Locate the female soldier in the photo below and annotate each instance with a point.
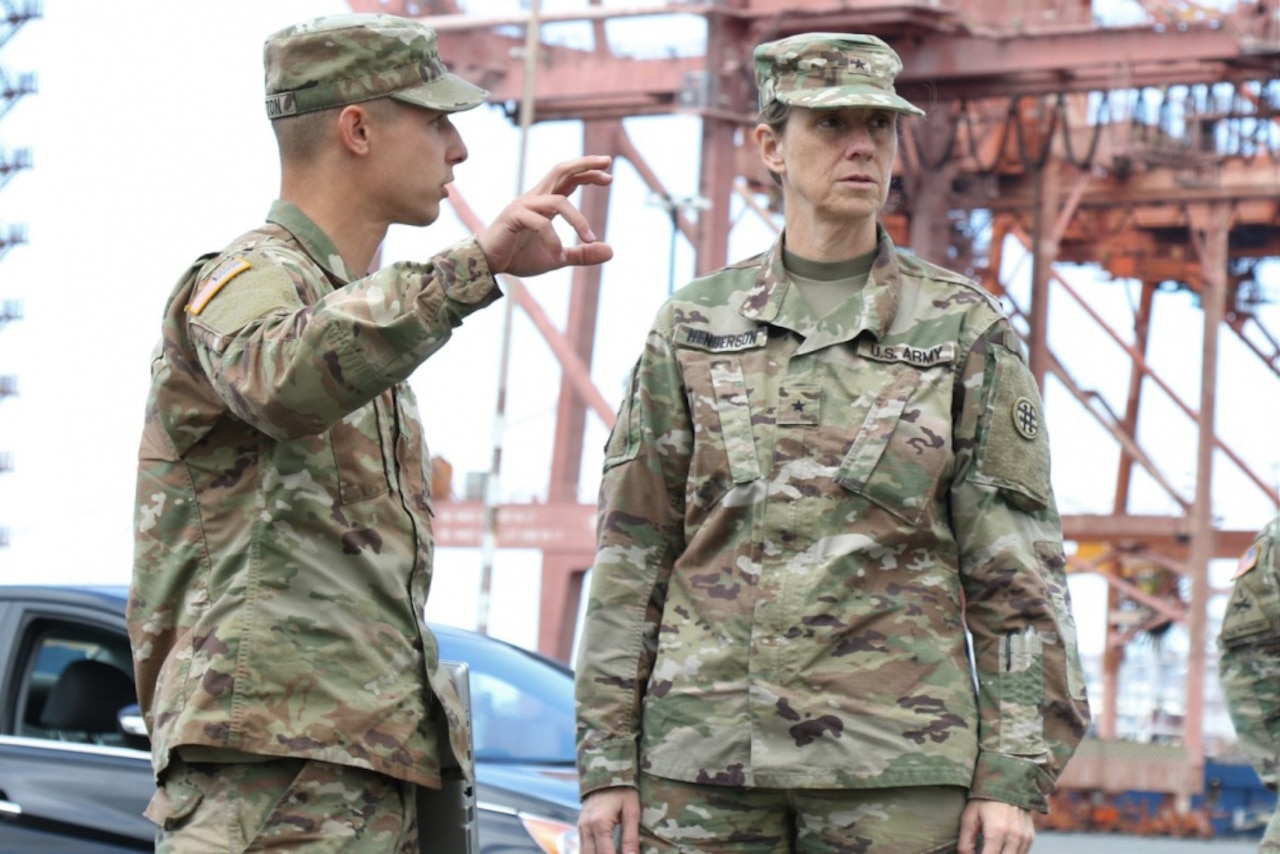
(830, 463)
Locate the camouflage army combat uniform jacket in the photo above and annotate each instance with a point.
(1249, 662)
(283, 520)
(798, 518)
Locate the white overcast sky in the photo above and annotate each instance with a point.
(150, 146)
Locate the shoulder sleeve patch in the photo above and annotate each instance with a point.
(223, 273)
(1253, 612)
(1247, 561)
(259, 290)
(1013, 447)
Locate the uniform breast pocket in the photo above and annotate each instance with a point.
(904, 445)
(356, 442)
(720, 403)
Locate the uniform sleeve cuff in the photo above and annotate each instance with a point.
(465, 273)
(1012, 780)
(612, 763)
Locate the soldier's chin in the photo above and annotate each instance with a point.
(423, 218)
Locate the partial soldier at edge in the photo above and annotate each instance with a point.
(1249, 662)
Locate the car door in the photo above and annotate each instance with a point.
(70, 779)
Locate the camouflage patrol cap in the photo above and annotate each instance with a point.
(346, 59)
(820, 70)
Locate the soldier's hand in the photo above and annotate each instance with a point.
(604, 810)
(1005, 828)
(522, 241)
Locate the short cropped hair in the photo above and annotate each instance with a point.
(301, 137)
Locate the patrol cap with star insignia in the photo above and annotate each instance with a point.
(346, 59)
(822, 70)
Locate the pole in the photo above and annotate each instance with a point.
(1210, 227)
(674, 206)
(671, 254)
(489, 536)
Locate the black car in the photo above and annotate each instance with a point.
(75, 774)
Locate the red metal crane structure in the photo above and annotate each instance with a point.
(1150, 148)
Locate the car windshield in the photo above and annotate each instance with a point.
(521, 704)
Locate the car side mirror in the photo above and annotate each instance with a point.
(133, 725)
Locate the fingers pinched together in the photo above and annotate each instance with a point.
(522, 240)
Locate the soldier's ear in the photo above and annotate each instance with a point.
(355, 123)
(770, 145)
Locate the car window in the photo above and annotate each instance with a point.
(521, 705)
(74, 683)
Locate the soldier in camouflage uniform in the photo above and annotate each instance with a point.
(830, 461)
(283, 524)
(1249, 662)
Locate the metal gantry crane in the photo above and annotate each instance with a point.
(1149, 147)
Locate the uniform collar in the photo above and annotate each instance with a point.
(773, 300)
(316, 243)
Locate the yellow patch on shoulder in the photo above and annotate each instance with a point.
(1247, 561)
(223, 273)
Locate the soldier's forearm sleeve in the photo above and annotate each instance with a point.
(1031, 695)
(639, 538)
(293, 370)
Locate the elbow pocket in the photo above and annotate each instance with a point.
(1013, 445)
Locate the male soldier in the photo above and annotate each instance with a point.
(283, 525)
(1249, 662)
(829, 463)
